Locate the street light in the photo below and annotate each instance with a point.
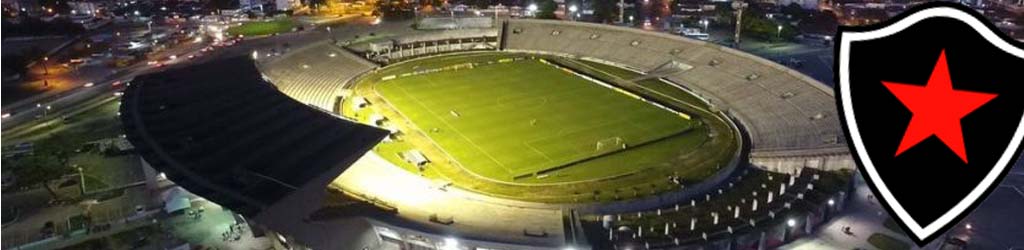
(532, 8)
(791, 223)
(780, 32)
(46, 71)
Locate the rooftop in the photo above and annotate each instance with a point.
(222, 132)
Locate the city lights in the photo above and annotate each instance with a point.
(491, 120)
(450, 244)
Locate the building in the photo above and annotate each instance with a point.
(222, 133)
(263, 5)
(806, 4)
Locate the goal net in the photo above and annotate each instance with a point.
(608, 145)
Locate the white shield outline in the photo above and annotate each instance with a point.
(922, 234)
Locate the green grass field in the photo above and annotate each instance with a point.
(515, 119)
(886, 242)
(259, 28)
(527, 130)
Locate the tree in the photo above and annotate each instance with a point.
(39, 169)
(606, 11)
(48, 162)
(33, 26)
(317, 4)
(58, 6)
(222, 4)
(479, 3)
(60, 146)
(395, 11)
(756, 25)
(724, 13)
(17, 63)
(796, 11)
(546, 9)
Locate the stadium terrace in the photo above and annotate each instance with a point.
(526, 134)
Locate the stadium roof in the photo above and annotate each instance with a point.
(222, 132)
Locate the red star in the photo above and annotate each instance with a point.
(937, 109)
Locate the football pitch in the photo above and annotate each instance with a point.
(518, 119)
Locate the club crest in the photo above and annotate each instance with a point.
(932, 103)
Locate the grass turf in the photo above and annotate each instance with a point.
(259, 28)
(640, 171)
(886, 242)
(514, 119)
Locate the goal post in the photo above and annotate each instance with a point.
(609, 144)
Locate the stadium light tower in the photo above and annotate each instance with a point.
(450, 244)
(572, 12)
(739, 6)
(622, 11)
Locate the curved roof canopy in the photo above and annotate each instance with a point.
(222, 132)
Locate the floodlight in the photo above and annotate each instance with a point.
(450, 244)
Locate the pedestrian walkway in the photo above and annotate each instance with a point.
(863, 215)
(215, 228)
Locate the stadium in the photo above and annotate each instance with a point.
(531, 134)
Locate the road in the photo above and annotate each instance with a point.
(26, 112)
(54, 106)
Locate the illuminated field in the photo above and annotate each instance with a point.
(542, 128)
(259, 28)
(546, 118)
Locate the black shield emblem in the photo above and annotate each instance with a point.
(932, 103)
